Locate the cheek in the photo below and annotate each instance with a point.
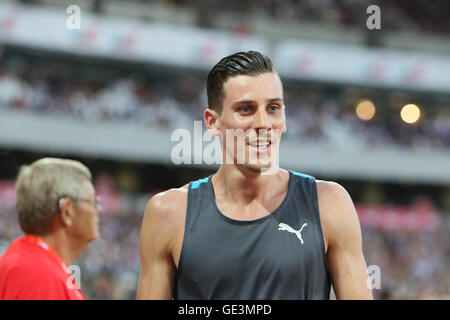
(90, 222)
(280, 119)
(280, 123)
(235, 120)
(93, 227)
(94, 220)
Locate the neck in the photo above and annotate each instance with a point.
(243, 186)
(60, 242)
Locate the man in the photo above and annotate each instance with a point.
(252, 230)
(57, 210)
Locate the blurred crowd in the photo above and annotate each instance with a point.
(412, 265)
(174, 100)
(152, 102)
(399, 15)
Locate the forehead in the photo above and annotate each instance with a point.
(245, 87)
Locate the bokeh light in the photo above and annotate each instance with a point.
(365, 110)
(410, 113)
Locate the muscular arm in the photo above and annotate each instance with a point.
(158, 242)
(343, 240)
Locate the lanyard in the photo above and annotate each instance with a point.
(44, 245)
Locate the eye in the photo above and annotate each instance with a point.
(245, 109)
(274, 107)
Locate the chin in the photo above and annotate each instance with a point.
(259, 167)
(94, 237)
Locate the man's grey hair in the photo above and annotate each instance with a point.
(41, 185)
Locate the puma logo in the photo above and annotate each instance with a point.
(284, 227)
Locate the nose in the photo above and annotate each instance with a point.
(98, 204)
(262, 120)
(99, 209)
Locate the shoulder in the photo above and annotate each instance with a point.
(330, 192)
(337, 211)
(27, 272)
(334, 200)
(165, 215)
(20, 258)
(167, 204)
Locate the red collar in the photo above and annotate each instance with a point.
(44, 245)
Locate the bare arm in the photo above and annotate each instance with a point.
(342, 233)
(157, 243)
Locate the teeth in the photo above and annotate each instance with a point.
(261, 145)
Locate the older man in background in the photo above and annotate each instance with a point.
(58, 212)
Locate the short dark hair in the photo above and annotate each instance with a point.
(240, 63)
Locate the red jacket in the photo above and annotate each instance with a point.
(31, 270)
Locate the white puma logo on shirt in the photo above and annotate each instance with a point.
(284, 227)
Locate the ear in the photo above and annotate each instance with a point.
(212, 121)
(66, 211)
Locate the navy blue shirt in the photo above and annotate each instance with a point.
(279, 256)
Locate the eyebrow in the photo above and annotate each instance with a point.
(275, 99)
(252, 101)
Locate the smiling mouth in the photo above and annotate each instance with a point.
(260, 146)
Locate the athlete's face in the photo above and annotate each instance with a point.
(253, 104)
